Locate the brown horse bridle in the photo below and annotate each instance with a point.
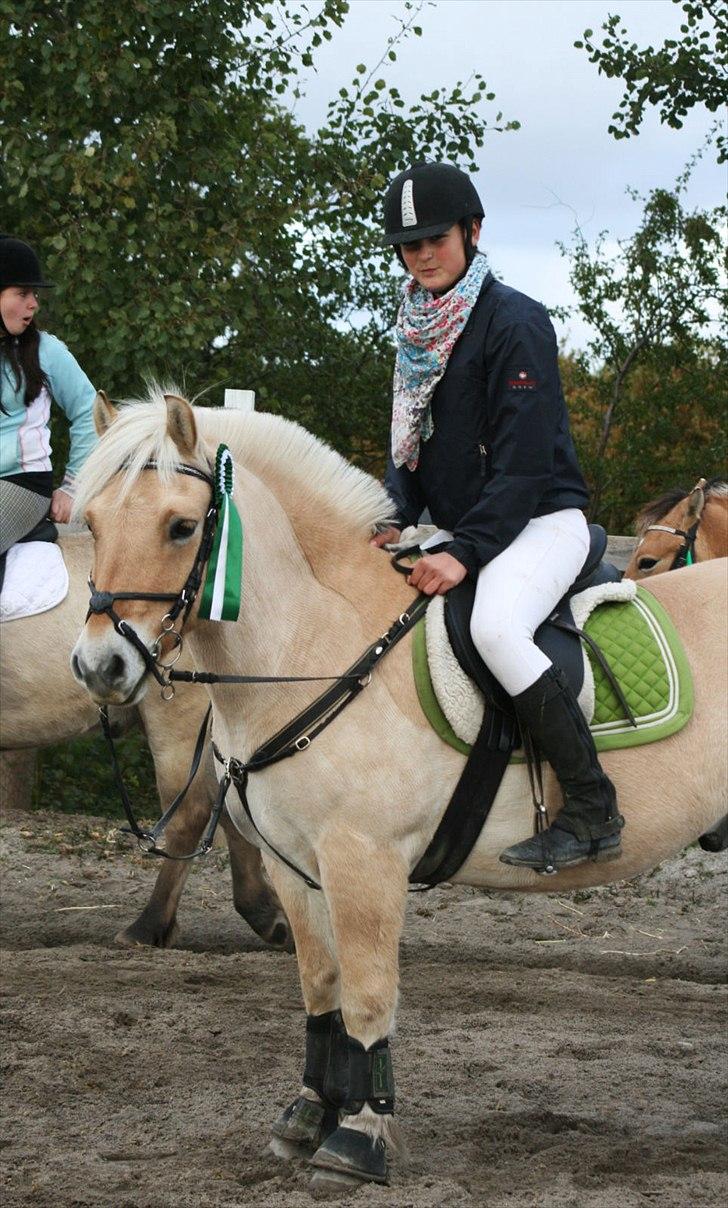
(685, 555)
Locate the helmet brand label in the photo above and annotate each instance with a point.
(409, 217)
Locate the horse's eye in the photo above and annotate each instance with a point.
(647, 563)
(181, 530)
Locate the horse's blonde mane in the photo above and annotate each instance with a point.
(301, 467)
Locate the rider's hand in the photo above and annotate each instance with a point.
(435, 574)
(61, 505)
(389, 537)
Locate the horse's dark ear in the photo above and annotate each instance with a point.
(104, 412)
(696, 500)
(181, 424)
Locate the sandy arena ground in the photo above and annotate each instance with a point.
(564, 1052)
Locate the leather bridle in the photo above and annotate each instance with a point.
(685, 555)
(102, 602)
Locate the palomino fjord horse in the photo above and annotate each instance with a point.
(42, 704)
(354, 808)
(680, 528)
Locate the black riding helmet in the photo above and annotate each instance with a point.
(426, 200)
(19, 264)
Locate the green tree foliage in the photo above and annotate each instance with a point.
(77, 777)
(654, 407)
(691, 70)
(198, 232)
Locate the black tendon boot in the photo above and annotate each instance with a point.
(588, 827)
(307, 1121)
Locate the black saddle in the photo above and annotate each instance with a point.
(557, 637)
(476, 789)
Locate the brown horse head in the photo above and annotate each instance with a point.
(678, 521)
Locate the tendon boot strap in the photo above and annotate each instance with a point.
(336, 1078)
(318, 1034)
(371, 1078)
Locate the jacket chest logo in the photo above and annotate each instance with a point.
(520, 379)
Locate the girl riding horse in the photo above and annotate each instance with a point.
(480, 437)
(35, 367)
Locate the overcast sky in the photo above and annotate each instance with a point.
(562, 165)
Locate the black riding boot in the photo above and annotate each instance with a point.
(588, 827)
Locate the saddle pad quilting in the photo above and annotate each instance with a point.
(642, 646)
(643, 649)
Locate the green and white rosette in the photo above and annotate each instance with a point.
(220, 600)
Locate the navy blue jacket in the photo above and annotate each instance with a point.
(501, 452)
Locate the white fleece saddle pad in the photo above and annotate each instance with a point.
(461, 700)
(36, 580)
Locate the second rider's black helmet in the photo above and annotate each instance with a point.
(19, 264)
(426, 200)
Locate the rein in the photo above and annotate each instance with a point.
(291, 739)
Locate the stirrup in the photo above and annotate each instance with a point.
(539, 852)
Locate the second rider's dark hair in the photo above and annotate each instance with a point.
(22, 355)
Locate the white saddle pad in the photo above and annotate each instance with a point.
(461, 700)
(36, 579)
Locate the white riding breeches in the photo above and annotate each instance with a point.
(519, 589)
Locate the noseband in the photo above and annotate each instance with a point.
(182, 601)
(685, 555)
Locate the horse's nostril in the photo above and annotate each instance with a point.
(76, 667)
(116, 667)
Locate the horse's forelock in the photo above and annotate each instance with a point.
(139, 435)
(716, 488)
(659, 508)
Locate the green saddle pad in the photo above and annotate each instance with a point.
(647, 657)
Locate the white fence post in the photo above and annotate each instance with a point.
(240, 400)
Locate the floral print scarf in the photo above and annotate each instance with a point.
(428, 328)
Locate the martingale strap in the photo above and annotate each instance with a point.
(291, 739)
(299, 733)
(148, 838)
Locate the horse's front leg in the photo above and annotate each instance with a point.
(313, 1114)
(254, 897)
(366, 891)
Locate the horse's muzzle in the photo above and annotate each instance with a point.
(110, 670)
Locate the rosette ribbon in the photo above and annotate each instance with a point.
(221, 591)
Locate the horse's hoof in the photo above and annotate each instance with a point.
(287, 1151)
(353, 1155)
(301, 1128)
(330, 1183)
(143, 935)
